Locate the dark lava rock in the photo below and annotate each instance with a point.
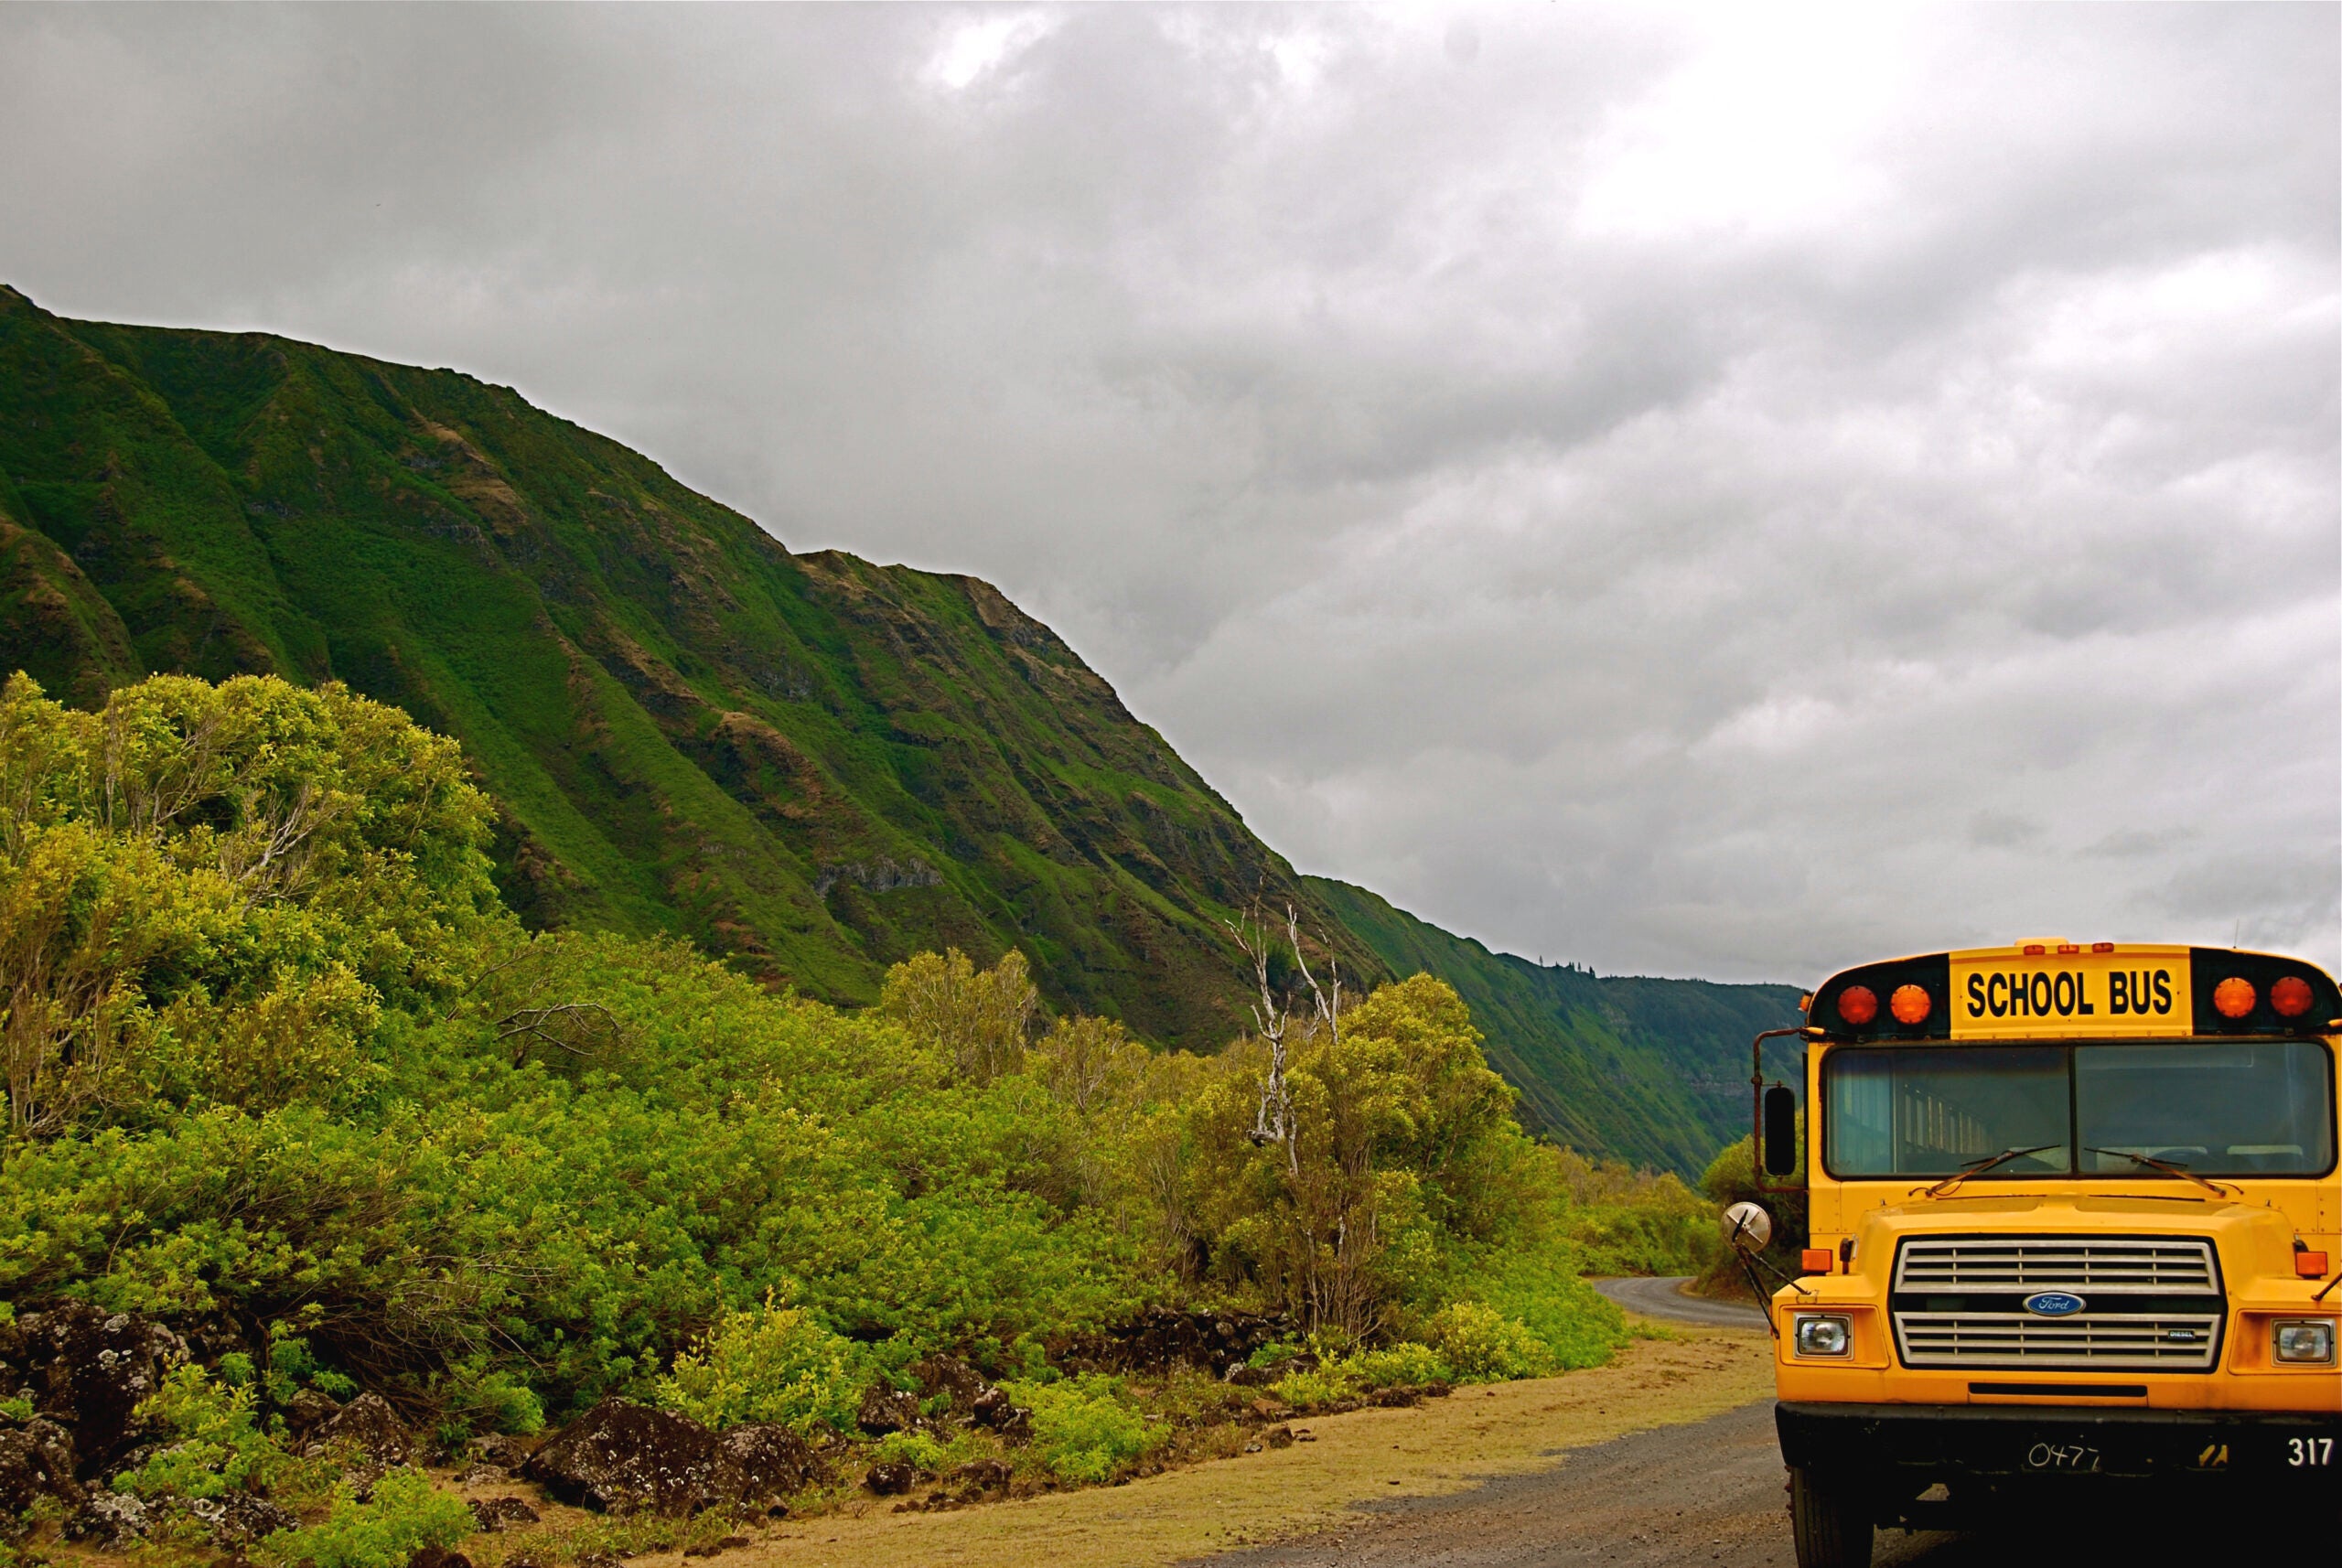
(623, 1457)
(994, 1409)
(888, 1479)
(35, 1462)
(1254, 1377)
(949, 1375)
(309, 1409)
(438, 1557)
(237, 1519)
(979, 1477)
(89, 1369)
(1161, 1337)
(769, 1462)
(481, 1474)
(1278, 1436)
(498, 1448)
(502, 1513)
(112, 1521)
(886, 1409)
(367, 1424)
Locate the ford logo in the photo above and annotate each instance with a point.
(2054, 1303)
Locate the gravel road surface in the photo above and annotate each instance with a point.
(1706, 1493)
(1665, 1298)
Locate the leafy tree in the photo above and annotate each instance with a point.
(207, 891)
(982, 1019)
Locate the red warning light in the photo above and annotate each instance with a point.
(1858, 1004)
(2034, 949)
(2290, 997)
(2101, 947)
(1911, 1004)
(2233, 997)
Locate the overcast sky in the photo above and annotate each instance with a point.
(1699, 493)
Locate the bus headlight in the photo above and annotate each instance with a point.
(1828, 1335)
(2303, 1342)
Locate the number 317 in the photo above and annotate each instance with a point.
(2309, 1451)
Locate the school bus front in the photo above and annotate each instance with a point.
(2075, 1232)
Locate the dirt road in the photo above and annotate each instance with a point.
(1707, 1493)
(1665, 1298)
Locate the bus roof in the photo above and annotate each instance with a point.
(2051, 989)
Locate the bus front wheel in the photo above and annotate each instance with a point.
(1830, 1521)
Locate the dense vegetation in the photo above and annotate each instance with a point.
(809, 765)
(280, 1062)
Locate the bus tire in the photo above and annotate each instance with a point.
(1830, 1521)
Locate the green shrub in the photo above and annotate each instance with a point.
(1405, 1365)
(219, 1446)
(1330, 1383)
(771, 1363)
(917, 1449)
(1084, 1427)
(1577, 1324)
(405, 1515)
(1483, 1346)
(291, 1367)
(476, 1398)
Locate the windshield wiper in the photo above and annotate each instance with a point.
(2169, 1168)
(1978, 1167)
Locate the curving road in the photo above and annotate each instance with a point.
(1665, 1298)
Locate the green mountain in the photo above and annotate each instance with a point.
(809, 764)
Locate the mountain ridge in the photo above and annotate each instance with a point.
(809, 764)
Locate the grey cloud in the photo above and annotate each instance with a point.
(1720, 495)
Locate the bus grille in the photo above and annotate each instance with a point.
(2160, 1265)
(2147, 1300)
(2178, 1343)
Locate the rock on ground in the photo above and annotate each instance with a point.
(1161, 1337)
(89, 1369)
(493, 1514)
(885, 1409)
(624, 1457)
(367, 1424)
(35, 1462)
(111, 1521)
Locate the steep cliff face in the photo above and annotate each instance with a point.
(808, 763)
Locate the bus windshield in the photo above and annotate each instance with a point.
(2260, 1109)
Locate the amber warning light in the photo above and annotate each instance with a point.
(1911, 1005)
(2233, 997)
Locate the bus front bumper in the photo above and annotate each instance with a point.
(1898, 1451)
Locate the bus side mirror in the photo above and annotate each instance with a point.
(1781, 1131)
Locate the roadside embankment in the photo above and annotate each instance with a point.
(1440, 1447)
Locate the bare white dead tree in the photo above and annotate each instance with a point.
(1273, 1122)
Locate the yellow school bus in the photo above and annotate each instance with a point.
(2075, 1237)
